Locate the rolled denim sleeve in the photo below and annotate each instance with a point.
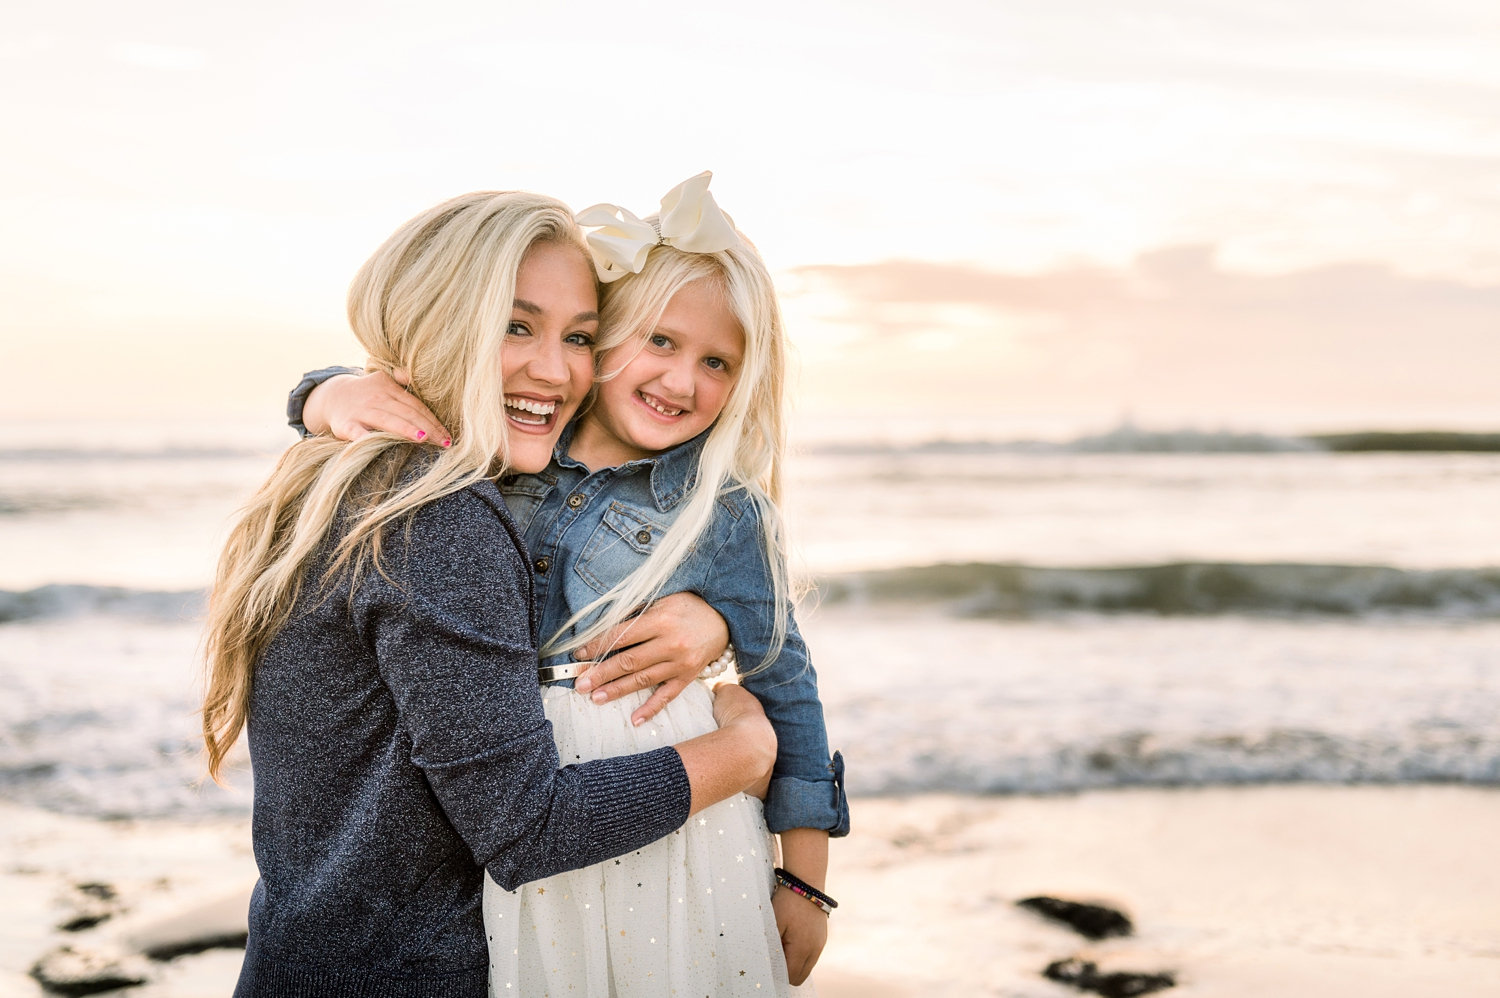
(297, 400)
(807, 786)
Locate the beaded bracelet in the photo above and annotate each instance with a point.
(803, 889)
(719, 664)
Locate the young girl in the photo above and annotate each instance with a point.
(668, 483)
(371, 624)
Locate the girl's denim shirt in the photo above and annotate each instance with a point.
(587, 531)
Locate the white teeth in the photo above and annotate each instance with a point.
(531, 406)
(664, 410)
(541, 410)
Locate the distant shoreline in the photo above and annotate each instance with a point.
(1124, 438)
(1130, 439)
(1412, 440)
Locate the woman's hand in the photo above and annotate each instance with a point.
(735, 757)
(735, 705)
(737, 709)
(349, 407)
(666, 646)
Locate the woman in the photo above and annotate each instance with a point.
(371, 626)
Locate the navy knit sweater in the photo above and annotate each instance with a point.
(399, 750)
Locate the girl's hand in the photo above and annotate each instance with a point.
(804, 932)
(666, 646)
(802, 924)
(350, 407)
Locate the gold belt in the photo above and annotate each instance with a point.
(553, 673)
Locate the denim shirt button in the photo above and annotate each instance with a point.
(643, 537)
(575, 500)
(542, 564)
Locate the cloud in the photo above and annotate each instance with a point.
(1175, 332)
(1178, 274)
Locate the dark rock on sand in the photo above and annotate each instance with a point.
(187, 947)
(1085, 976)
(91, 904)
(66, 971)
(1092, 921)
(218, 922)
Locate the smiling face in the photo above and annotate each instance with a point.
(670, 388)
(547, 365)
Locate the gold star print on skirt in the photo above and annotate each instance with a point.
(689, 914)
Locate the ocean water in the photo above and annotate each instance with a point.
(990, 617)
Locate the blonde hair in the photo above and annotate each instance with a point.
(745, 446)
(436, 299)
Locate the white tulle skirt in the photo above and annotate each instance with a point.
(690, 914)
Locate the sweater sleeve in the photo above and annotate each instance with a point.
(451, 631)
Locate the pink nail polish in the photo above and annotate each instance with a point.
(421, 434)
(447, 441)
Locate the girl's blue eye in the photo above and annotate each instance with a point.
(715, 364)
(658, 340)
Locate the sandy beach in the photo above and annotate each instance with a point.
(1288, 891)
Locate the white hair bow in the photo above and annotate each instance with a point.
(690, 220)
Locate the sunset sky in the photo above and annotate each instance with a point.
(984, 216)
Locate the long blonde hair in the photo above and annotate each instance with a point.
(745, 446)
(436, 299)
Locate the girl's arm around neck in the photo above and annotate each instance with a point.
(297, 400)
(344, 402)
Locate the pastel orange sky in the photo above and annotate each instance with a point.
(1201, 213)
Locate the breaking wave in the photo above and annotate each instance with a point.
(1420, 754)
(1001, 590)
(1184, 588)
(62, 601)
